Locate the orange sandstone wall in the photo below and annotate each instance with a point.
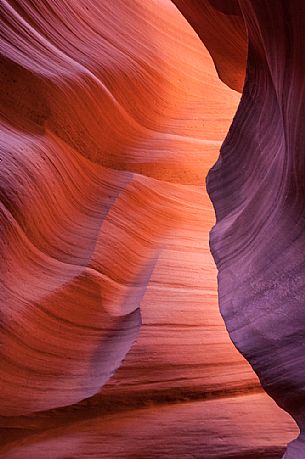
(112, 114)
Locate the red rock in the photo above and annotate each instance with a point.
(112, 114)
(220, 25)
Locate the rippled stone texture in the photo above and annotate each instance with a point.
(225, 428)
(105, 144)
(220, 25)
(257, 187)
(111, 116)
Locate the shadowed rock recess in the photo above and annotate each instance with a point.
(111, 341)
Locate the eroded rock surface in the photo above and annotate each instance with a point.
(257, 187)
(107, 134)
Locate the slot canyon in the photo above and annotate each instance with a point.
(152, 213)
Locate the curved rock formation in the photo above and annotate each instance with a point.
(103, 140)
(107, 134)
(214, 429)
(220, 25)
(257, 187)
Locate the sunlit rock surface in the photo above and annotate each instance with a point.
(112, 114)
(220, 25)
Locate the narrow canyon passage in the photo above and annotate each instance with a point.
(112, 343)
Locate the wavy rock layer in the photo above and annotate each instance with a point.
(258, 240)
(220, 25)
(85, 241)
(240, 427)
(106, 137)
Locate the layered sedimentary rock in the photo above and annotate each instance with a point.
(239, 428)
(259, 236)
(111, 115)
(103, 141)
(220, 25)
